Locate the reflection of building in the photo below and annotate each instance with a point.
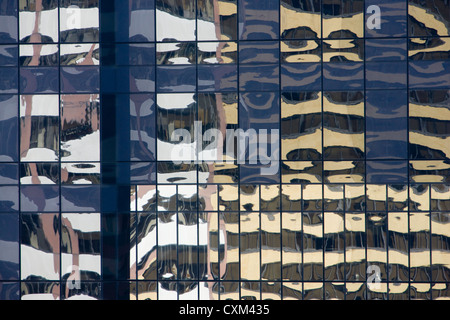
(92, 205)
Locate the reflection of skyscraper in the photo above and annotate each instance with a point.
(92, 204)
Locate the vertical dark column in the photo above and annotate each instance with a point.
(115, 176)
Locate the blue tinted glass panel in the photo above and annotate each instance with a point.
(429, 74)
(392, 19)
(176, 79)
(343, 76)
(386, 124)
(387, 171)
(386, 49)
(258, 77)
(386, 75)
(258, 20)
(8, 22)
(217, 78)
(9, 247)
(301, 76)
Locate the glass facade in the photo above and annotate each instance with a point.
(224, 149)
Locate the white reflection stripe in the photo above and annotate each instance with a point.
(41, 105)
(47, 27)
(89, 18)
(85, 222)
(85, 149)
(45, 50)
(166, 236)
(35, 262)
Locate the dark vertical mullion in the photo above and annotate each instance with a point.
(59, 149)
(115, 195)
(18, 150)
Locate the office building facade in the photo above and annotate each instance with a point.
(224, 149)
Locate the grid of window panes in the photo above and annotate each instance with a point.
(349, 196)
(49, 150)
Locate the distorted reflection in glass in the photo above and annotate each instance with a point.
(300, 19)
(39, 173)
(79, 20)
(419, 246)
(440, 246)
(398, 246)
(38, 21)
(39, 139)
(250, 246)
(80, 128)
(291, 234)
(39, 55)
(343, 19)
(217, 20)
(343, 50)
(301, 125)
(40, 246)
(292, 290)
(355, 247)
(175, 21)
(334, 239)
(8, 22)
(80, 248)
(343, 125)
(428, 18)
(313, 245)
(80, 54)
(270, 247)
(216, 52)
(301, 51)
(428, 113)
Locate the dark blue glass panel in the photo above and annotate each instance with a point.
(387, 171)
(80, 199)
(9, 247)
(259, 52)
(9, 129)
(429, 74)
(39, 198)
(259, 110)
(259, 77)
(343, 76)
(39, 80)
(301, 76)
(135, 54)
(115, 80)
(142, 79)
(258, 20)
(143, 173)
(386, 124)
(8, 21)
(386, 49)
(217, 77)
(176, 79)
(9, 291)
(9, 173)
(255, 173)
(142, 128)
(9, 199)
(386, 75)
(135, 20)
(393, 18)
(8, 56)
(80, 79)
(8, 80)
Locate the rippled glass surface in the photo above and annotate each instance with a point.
(141, 155)
(38, 21)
